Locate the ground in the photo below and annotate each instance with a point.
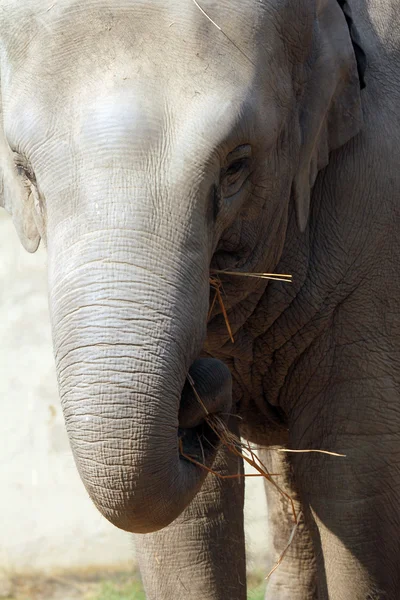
(117, 586)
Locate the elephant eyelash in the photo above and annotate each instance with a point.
(23, 167)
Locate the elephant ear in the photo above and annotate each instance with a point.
(16, 194)
(330, 107)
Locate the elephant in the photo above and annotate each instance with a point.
(151, 143)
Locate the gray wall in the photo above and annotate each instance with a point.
(47, 520)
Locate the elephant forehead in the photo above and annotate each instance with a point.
(136, 65)
(123, 113)
(155, 38)
(133, 123)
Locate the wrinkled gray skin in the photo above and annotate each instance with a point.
(144, 145)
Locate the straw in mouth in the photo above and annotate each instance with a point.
(216, 284)
(247, 453)
(226, 437)
(272, 276)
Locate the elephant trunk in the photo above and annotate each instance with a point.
(128, 311)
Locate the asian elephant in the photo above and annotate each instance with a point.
(148, 142)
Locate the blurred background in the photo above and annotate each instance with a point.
(48, 524)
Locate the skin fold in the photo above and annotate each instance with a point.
(146, 143)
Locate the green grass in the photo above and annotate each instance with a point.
(132, 590)
(256, 586)
(257, 593)
(113, 591)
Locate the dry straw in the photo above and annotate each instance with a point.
(244, 450)
(216, 285)
(236, 446)
(273, 276)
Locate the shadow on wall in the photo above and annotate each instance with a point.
(48, 520)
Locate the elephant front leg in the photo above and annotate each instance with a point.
(201, 555)
(295, 578)
(353, 500)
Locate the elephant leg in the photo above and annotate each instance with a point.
(201, 555)
(353, 500)
(295, 577)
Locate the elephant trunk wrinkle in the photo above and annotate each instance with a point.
(124, 344)
(123, 429)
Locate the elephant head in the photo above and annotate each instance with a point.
(140, 140)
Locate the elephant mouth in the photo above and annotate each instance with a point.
(207, 392)
(198, 445)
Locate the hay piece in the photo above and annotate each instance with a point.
(217, 286)
(272, 276)
(219, 475)
(245, 451)
(282, 556)
(309, 450)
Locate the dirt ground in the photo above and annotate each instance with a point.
(69, 586)
(48, 589)
(93, 586)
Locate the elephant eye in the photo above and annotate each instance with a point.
(237, 171)
(23, 168)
